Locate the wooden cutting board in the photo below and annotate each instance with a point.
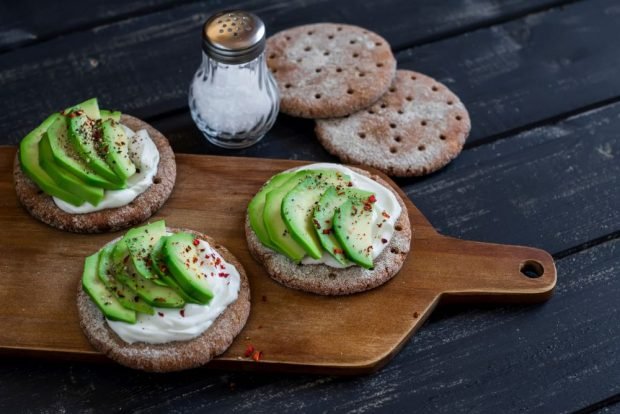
(40, 268)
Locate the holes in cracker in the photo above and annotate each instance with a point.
(350, 91)
(450, 102)
(339, 29)
(356, 55)
(310, 33)
(413, 77)
(393, 125)
(371, 112)
(326, 53)
(318, 70)
(338, 70)
(288, 85)
(383, 105)
(378, 44)
(352, 42)
(330, 37)
(421, 147)
(272, 56)
(287, 37)
(361, 74)
(394, 250)
(392, 89)
(400, 112)
(379, 65)
(423, 123)
(398, 227)
(393, 150)
(361, 135)
(307, 48)
(317, 96)
(157, 180)
(434, 89)
(459, 117)
(409, 98)
(398, 138)
(442, 137)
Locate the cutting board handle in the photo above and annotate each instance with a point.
(494, 272)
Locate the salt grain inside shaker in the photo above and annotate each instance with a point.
(233, 98)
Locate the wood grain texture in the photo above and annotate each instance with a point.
(27, 22)
(291, 327)
(556, 357)
(117, 62)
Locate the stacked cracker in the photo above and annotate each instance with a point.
(398, 121)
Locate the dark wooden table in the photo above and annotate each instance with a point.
(541, 167)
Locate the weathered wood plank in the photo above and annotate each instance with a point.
(143, 66)
(556, 357)
(27, 22)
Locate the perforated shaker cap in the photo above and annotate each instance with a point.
(233, 36)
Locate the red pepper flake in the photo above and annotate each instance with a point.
(195, 259)
(327, 231)
(350, 184)
(372, 199)
(182, 313)
(316, 223)
(160, 314)
(384, 241)
(223, 274)
(338, 251)
(367, 206)
(218, 261)
(385, 214)
(249, 350)
(196, 242)
(257, 355)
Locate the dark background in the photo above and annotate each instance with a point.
(541, 167)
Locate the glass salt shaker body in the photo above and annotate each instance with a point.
(233, 98)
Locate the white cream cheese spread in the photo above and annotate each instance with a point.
(145, 156)
(386, 211)
(168, 324)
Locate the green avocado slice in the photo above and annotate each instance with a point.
(67, 157)
(152, 293)
(299, 203)
(92, 194)
(140, 242)
(272, 217)
(86, 137)
(116, 145)
(323, 216)
(101, 295)
(256, 208)
(165, 278)
(125, 295)
(353, 230)
(90, 107)
(181, 257)
(29, 160)
(113, 115)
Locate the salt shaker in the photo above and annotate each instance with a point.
(233, 98)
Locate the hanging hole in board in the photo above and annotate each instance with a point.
(532, 269)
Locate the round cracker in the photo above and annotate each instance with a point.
(417, 127)
(171, 356)
(42, 207)
(324, 280)
(329, 70)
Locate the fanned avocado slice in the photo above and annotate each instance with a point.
(152, 293)
(165, 278)
(113, 115)
(256, 208)
(272, 217)
(353, 230)
(101, 295)
(125, 295)
(66, 156)
(182, 259)
(90, 107)
(64, 178)
(87, 139)
(323, 217)
(116, 149)
(29, 160)
(299, 203)
(140, 242)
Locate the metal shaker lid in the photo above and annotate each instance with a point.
(233, 36)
